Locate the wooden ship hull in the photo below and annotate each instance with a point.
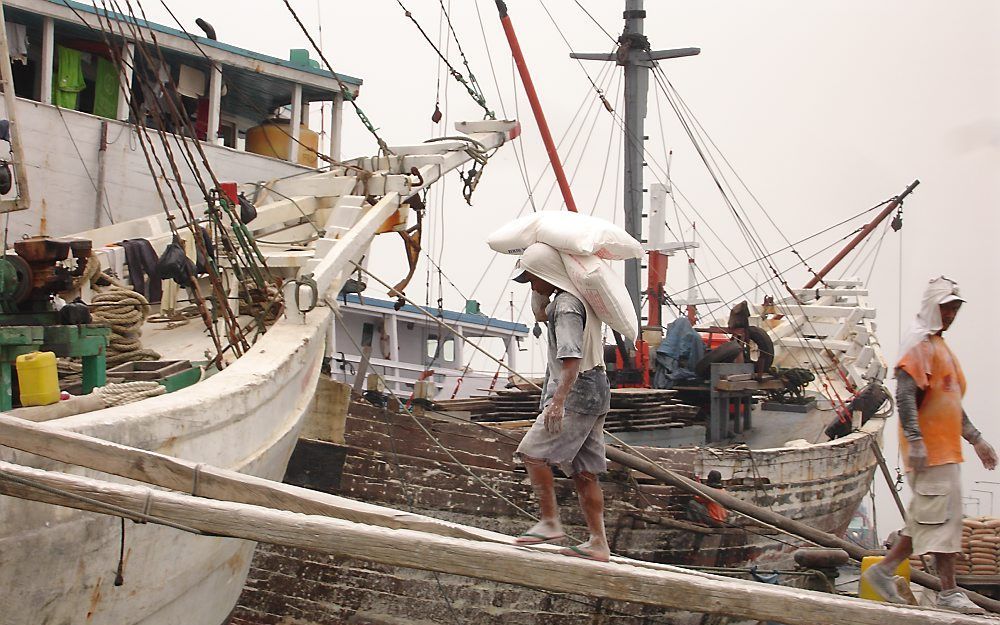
(59, 565)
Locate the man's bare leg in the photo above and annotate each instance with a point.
(543, 483)
(588, 489)
(945, 565)
(900, 550)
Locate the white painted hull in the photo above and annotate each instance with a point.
(57, 565)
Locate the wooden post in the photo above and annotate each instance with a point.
(295, 130)
(102, 174)
(214, 104)
(336, 124)
(621, 580)
(127, 71)
(48, 60)
(359, 377)
(208, 481)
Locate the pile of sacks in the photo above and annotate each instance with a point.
(980, 548)
(585, 244)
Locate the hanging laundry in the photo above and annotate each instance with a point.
(142, 260)
(17, 42)
(106, 89)
(68, 81)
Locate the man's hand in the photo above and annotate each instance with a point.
(917, 458)
(553, 415)
(986, 453)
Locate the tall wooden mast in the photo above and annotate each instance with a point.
(636, 56)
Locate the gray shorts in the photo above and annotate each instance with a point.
(578, 448)
(934, 517)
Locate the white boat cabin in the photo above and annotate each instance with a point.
(406, 345)
(84, 163)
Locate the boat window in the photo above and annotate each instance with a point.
(441, 350)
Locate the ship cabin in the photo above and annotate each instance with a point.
(83, 75)
(406, 346)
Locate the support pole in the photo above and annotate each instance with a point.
(336, 124)
(127, 71)
(296, 123)
(536, 106)
(48, 60)
(102, 174)
(214, 104)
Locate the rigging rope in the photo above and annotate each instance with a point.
(471, 85)
(344, 91)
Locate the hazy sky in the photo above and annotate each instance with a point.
(823, 108)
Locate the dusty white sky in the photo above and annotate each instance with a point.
(824, 109)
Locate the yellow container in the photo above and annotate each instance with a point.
(37, 379)
(865, 591)
(272, 138)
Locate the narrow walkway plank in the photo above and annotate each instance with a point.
(484, 560)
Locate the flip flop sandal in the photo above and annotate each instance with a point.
(529, 538)
(576, 552)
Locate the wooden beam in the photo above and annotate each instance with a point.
(336, 126)
(522, 566)
(127, 71)
(214, 103)
(208, 481)
(296, 124)
(48, 60)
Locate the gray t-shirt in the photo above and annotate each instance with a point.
(591, 393)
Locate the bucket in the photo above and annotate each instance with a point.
(37, 378)
(865, 591)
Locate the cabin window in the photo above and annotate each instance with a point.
(441, 350)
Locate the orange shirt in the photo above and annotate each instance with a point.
(936, 371)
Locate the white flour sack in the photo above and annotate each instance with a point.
(604, 292)
(568, 232)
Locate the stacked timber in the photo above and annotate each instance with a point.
(980, 548)
(632, 409)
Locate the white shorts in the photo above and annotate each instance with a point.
(934, 517)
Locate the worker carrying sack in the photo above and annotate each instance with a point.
(567, 232)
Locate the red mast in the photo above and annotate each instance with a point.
(896, 201)
(536, 107)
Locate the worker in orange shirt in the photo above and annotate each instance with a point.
(929, 390)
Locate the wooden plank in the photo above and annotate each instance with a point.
(622, 580)
(359, 379)
(204, 480)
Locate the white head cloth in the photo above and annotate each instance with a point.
(928, 321)
(546, 262)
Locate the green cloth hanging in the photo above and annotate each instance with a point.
(106, 89)
(68, 81)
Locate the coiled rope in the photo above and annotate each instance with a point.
(124, 311)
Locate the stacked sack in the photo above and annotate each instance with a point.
(980, 548)
(585, 244)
